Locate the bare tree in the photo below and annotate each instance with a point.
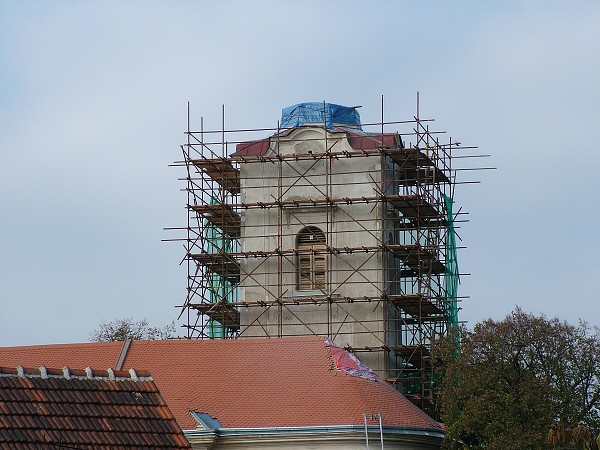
(123, 329)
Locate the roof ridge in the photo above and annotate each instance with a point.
(68, 373)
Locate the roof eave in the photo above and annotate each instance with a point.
(319, 429)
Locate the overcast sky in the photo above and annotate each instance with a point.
(93, 108)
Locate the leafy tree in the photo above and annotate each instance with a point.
(580, 437)
(123, 329)
(521, 382)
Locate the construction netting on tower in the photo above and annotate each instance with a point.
(451, 278)
(220, 290)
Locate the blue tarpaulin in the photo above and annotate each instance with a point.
(320, 113)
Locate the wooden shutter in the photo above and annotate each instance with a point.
(319, 269)
(304, 271)
(312, 259)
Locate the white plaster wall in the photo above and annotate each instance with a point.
(351, 225)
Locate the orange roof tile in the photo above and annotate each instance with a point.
(97, 355)
(286, 382)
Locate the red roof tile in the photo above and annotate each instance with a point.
(43, 408)
(370, 141)
(252, 148)
(358, 140)
(245, 383)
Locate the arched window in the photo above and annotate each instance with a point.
(311, 259)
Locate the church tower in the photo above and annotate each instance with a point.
(330, 227)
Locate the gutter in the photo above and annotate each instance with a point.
(320, 429)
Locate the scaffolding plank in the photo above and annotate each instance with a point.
(416, 305)
(222, 216)
(416, 355)
(418, 259)
(416, 209)
(220, 263)
(222, 312)
(222, 171)
(417, 167)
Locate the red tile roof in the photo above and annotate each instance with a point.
(370, 141)
(358, 140)
(285, 382)
(43, 408)
(102, 355)
(252, 148)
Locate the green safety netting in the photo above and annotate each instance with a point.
(218, 287)
(451, 278)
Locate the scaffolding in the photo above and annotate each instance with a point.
(342, 230)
